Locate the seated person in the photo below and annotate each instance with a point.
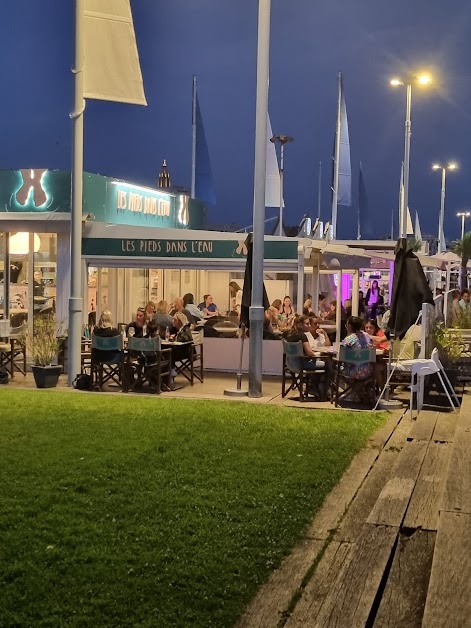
(316, 336)
(357, 339)
(180, 330)
(377, 335)
(268, 332)
(207, 306)
(297, 333)
(332, 312)
(150, 310)
(189, 304)
(161, 317)
(179, 307)
(105, 329)
(138, 324)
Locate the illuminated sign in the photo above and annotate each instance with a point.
(34, 190)
(134, 205)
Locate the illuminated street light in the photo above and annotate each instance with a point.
(422, 80)
(441, 217)
(463, 216)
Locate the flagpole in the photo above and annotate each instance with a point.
(359, 195)
(193, 140)
(256, 312)
(75, 299)
(335, 182)
(319, 186)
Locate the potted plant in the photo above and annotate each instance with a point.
(448, 341)
(43, 345)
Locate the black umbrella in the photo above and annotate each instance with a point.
(410, 290)
(247, 291)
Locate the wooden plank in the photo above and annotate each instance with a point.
(445, 427)
(350, 599)
(273, 598)
(426, 499)
(403, 600)
(340, 497)
(335, 560)
(448, 599)
(358, 511)
(424, 425)
(399, 436)
(392, 503)
(381, 436)
(457, 494)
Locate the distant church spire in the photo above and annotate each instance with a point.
(164, 176)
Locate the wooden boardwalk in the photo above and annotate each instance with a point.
(391, 546)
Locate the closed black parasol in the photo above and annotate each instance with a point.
(247, 290)
(410, 290)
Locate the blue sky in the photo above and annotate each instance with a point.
(369, 42)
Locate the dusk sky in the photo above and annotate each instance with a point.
(369, 41)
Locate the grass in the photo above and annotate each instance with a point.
(117, 511)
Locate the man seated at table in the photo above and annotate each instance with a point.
(178, 306)
(137, 325)
(208, 307)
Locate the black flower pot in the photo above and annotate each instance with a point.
(46, 376)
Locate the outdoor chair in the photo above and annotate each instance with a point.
(295, 375)
(198, 356)
(107, 370)
(152, 367)
(185, 356)
(12, 348)
(363, 388)
(418, 369)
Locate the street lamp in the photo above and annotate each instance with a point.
(421, 80)
(441, 217)
(282, 140)
(463, 216)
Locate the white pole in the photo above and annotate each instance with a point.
(282, 155)
(300, 287)
(407, 136)
(355, 291)
(319, 191)
(462, 225)
(335, 183)
(441, 244)
(256, 312)
(75, 299)
(193, 141)
(338, 312)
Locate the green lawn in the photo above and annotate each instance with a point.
(124, 511)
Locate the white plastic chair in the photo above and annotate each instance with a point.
(419, 368)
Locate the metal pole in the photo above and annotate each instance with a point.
(6, 279)
(462, 226)
(442, 213)
(193, 141)
(282, 154)
(256, 312)
(335, 183)
(407, 136)
(319, 186)
(75, 300)
(338, 311)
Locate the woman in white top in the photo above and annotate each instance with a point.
(236, 297)
(316, 336)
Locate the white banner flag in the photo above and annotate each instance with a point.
(111, 68)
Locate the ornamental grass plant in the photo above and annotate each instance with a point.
(118, 511)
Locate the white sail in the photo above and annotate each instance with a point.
(410, 228)
(272, 179)
(417, 230)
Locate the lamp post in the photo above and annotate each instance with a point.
(423, 80)
(282, 139)
(441, 217)
(463, 216)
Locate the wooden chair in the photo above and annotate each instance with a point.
(103, 370)
(294, 369)
(155, 372)
(12, 348)
(365, 387)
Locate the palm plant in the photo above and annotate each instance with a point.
(463, 249)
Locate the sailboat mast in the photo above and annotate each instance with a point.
(319, 186)
(193, 141)
(335, 182)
